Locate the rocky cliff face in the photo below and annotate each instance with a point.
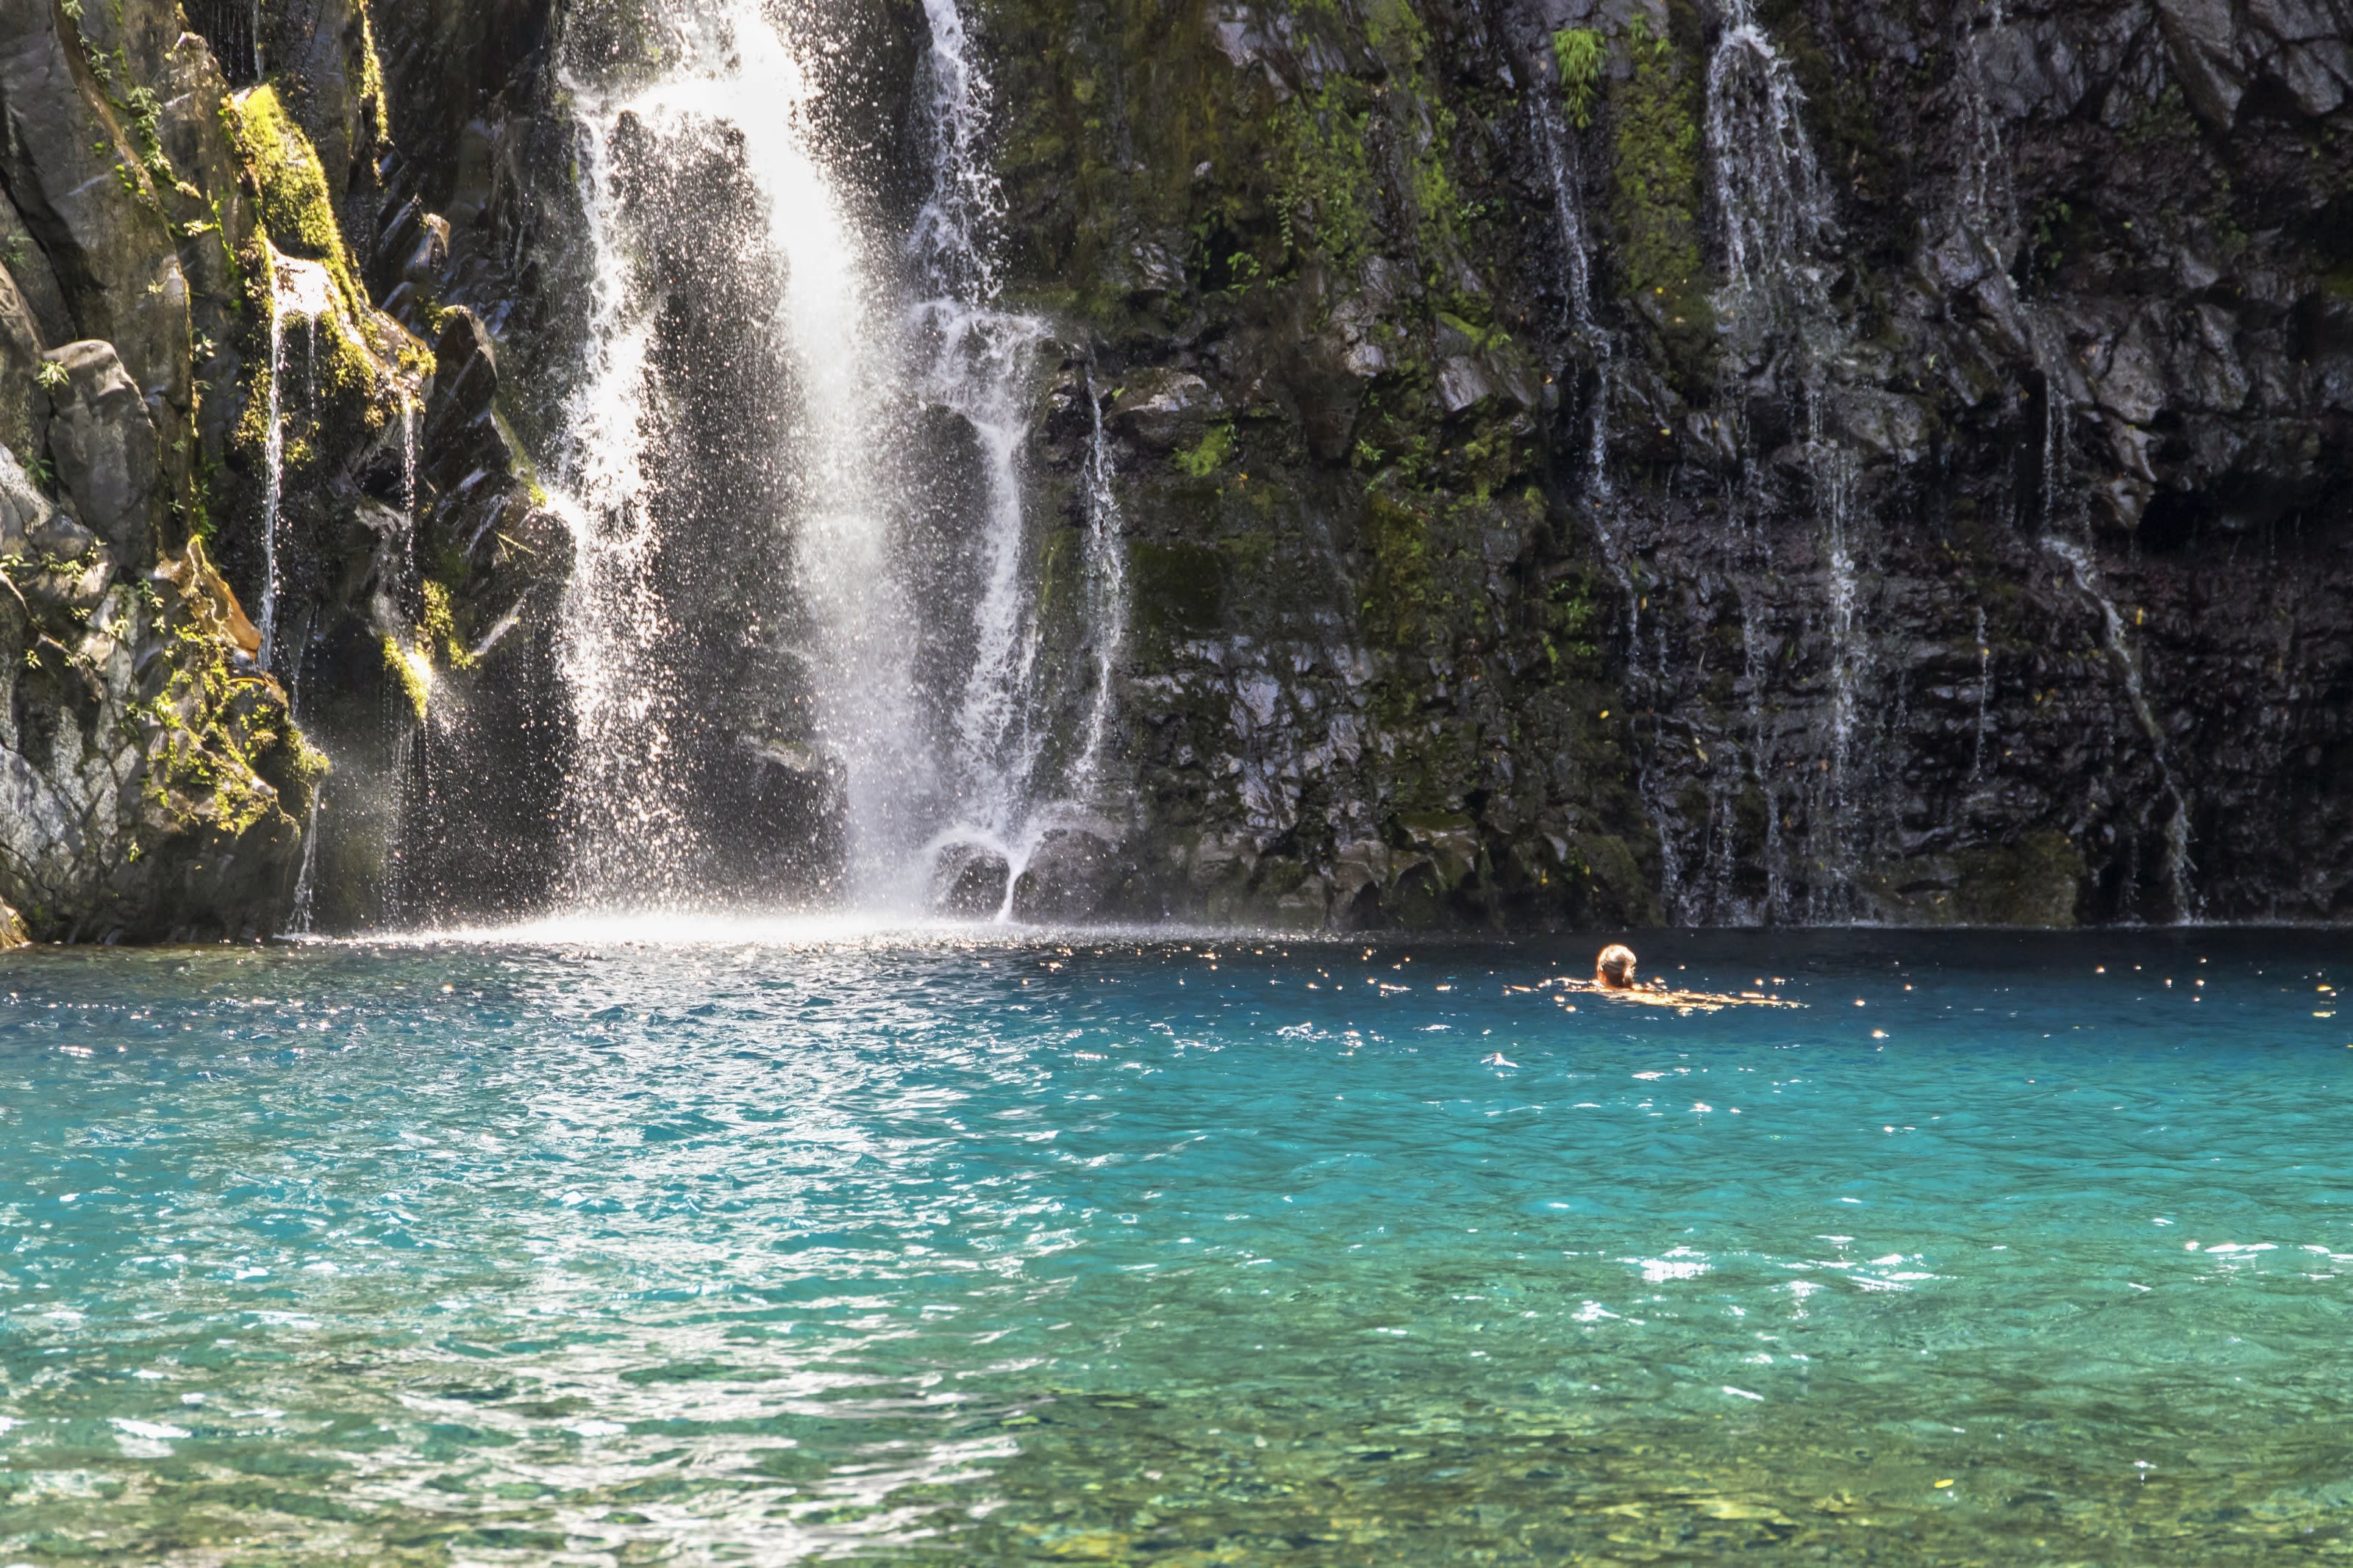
(200, 217)
(1578, 463)
(1626, 461)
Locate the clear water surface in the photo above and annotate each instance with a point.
(567, 1250)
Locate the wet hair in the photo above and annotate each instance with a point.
(1615, 967)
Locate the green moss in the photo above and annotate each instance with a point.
(1403, 584)
(372, 105)
(1655, 192)
(215, 737)
(413, 673)
(290, 187)
(2035, 882)
(1206, 456)
(439, 629)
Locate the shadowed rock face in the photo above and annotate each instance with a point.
(1579, 463)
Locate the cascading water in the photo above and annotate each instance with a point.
(1106, 603)
(2180, 872)
(979, 363)
(303, 291)
(1984, 725)
(732, 93)
(724, 132)
(1769, 191)
(1644, 674)
(1777, 233)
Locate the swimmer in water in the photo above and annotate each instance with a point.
(1614, 977)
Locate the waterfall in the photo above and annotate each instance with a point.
(979, 369)
(305, 291)
(1769, 191)
(611, 619)
(1778, 235)
(733, 91)
(1644, 678)
(709, 192)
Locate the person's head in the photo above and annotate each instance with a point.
(1615, 967)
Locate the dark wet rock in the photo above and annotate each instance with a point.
(1070, 876)
(968, 882)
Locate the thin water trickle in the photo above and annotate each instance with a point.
(1985, 701)
(1106, 603)
(306, 896)
(2179, 869)
(304, 291)
(2084, 571)
(408, 476)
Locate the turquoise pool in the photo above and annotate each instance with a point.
(942, 1248)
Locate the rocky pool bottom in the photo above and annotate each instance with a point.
(765, 1243)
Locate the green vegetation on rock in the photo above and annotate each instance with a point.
(1655, 191)
(297, 216)
(1578, 54)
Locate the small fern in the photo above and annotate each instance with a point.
(1578, 52)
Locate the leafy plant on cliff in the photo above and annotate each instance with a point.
(1578, 55)
(1323, 167)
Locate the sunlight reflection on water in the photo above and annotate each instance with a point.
(783, 1239)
